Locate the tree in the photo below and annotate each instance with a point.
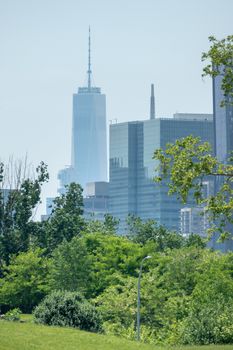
(93, 261)
(220, 56)
(17, 204)
(71, 266)
(66, 220)
(210, 316)
(149, 231)
(185, 164)
(25, 281)
(108, 226)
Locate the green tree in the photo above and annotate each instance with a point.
(184, 165)
(210, 318)
(220, 56)
(117, 305)
(66, 220)
(92, 262)
(71, 266)
(16, 210)
(25, 281)
(149, 231)
(108, 226)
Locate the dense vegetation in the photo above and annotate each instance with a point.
(186, 290)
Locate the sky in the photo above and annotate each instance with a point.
(43, 61)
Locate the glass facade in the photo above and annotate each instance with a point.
(89, 139)
(223, 123)
(223, 132)
(132, 169)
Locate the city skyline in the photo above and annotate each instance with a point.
(44, 60)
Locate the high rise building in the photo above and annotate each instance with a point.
(132, 169)
(89, 139)
(195, 219)
(223, 140)
(223, 122)
(96, 201)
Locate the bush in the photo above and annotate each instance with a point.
(13, 315)
(68, 309)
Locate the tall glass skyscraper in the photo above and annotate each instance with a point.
(132, 169)
(89, 139)
(223, 122)
(223, 139)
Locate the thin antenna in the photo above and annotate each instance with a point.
(152, 103)
(89, 60)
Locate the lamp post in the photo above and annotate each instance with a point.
(138, 300)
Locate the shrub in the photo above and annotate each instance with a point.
(68, 309)
(13, 315)
(211, 325)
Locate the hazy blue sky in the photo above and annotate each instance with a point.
(43, 60)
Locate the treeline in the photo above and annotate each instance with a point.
(67, 265)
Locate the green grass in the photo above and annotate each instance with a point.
(28, 336)
(26, 317)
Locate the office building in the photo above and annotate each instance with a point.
(89, 140)
(132, 169)
(223, 122)
(223, 137)
(96, 201)
(195, 219)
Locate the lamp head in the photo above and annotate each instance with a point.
(148, 257)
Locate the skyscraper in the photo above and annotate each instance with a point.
(89, 140)
(223, 122)
(132, 169)
(223, 140)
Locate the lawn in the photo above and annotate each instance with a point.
(28, 336)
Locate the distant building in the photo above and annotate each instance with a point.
(223, 122)
(96, 202)
(49, 205)
(5, 194)
(89, 140)
(132, 169)
(223, 137)
(194, 221)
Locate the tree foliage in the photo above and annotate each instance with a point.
(185, 165)
(149, 231)
(16, 210)
(220, 56)
(25, 281)
(66, 220)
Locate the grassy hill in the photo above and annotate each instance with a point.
(28, 336)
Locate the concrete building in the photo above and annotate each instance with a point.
(132, 169)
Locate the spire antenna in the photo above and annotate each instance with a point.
(152, 103)
(89, 60)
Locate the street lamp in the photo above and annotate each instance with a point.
(138, 301)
